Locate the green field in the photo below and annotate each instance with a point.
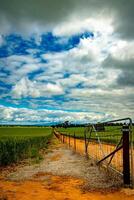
(112, 134)
(17, 143)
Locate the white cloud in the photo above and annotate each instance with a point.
(1, 40)
(7, 114)
(25, 115)
(100, 92)
(22, 58)
(103, 64)
(84, 63)
(121, 60)
(46, 15)
(19, 66)
(27, 88)
(122, 50)
(85, 57)
(73, 80)
(76, 26)
(27, 68)
(16, 62)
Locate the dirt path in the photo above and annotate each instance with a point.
(98, 152)
(62, 175)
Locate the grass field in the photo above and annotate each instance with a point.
(112, 134)
(17, 143)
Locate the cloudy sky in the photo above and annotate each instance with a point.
(66, 60)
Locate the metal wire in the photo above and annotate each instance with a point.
(98, 145)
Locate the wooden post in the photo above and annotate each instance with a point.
(74, 142)
(69, 139)
(63, 138)
(126, 159)
(85, 138)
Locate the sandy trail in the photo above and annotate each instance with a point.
(62, 175)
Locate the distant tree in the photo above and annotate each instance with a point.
(66, 124)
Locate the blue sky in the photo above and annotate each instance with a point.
(78, 68)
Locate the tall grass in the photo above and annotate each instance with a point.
(19, 143)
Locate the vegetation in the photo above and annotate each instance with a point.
(112, 134)
(17, 143)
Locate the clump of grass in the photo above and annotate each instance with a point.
(14, 148)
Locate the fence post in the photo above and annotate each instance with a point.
(126, 159)
(132, 154)
(74, 141)
(85, 138)
(69, 139)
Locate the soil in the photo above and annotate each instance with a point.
(98, 152)
(62, 175)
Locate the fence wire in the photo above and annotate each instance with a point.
(100, 143)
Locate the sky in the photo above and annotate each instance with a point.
(66, 60)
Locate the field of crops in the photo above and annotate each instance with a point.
(17, 143)
(112, 134)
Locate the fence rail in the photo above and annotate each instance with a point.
(112, 148)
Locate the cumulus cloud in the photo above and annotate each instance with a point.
(18, 66)
(90, 71)
(121, 54)
(27, 88)
(89, 24)
(44, 15)
(121, 58)
(24, 115)
(79, 59)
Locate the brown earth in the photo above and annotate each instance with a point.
(98, 151)
(61, 175)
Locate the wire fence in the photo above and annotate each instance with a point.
(110, 144)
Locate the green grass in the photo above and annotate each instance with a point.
(17, 143)
(24, 131)
(112, 134)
